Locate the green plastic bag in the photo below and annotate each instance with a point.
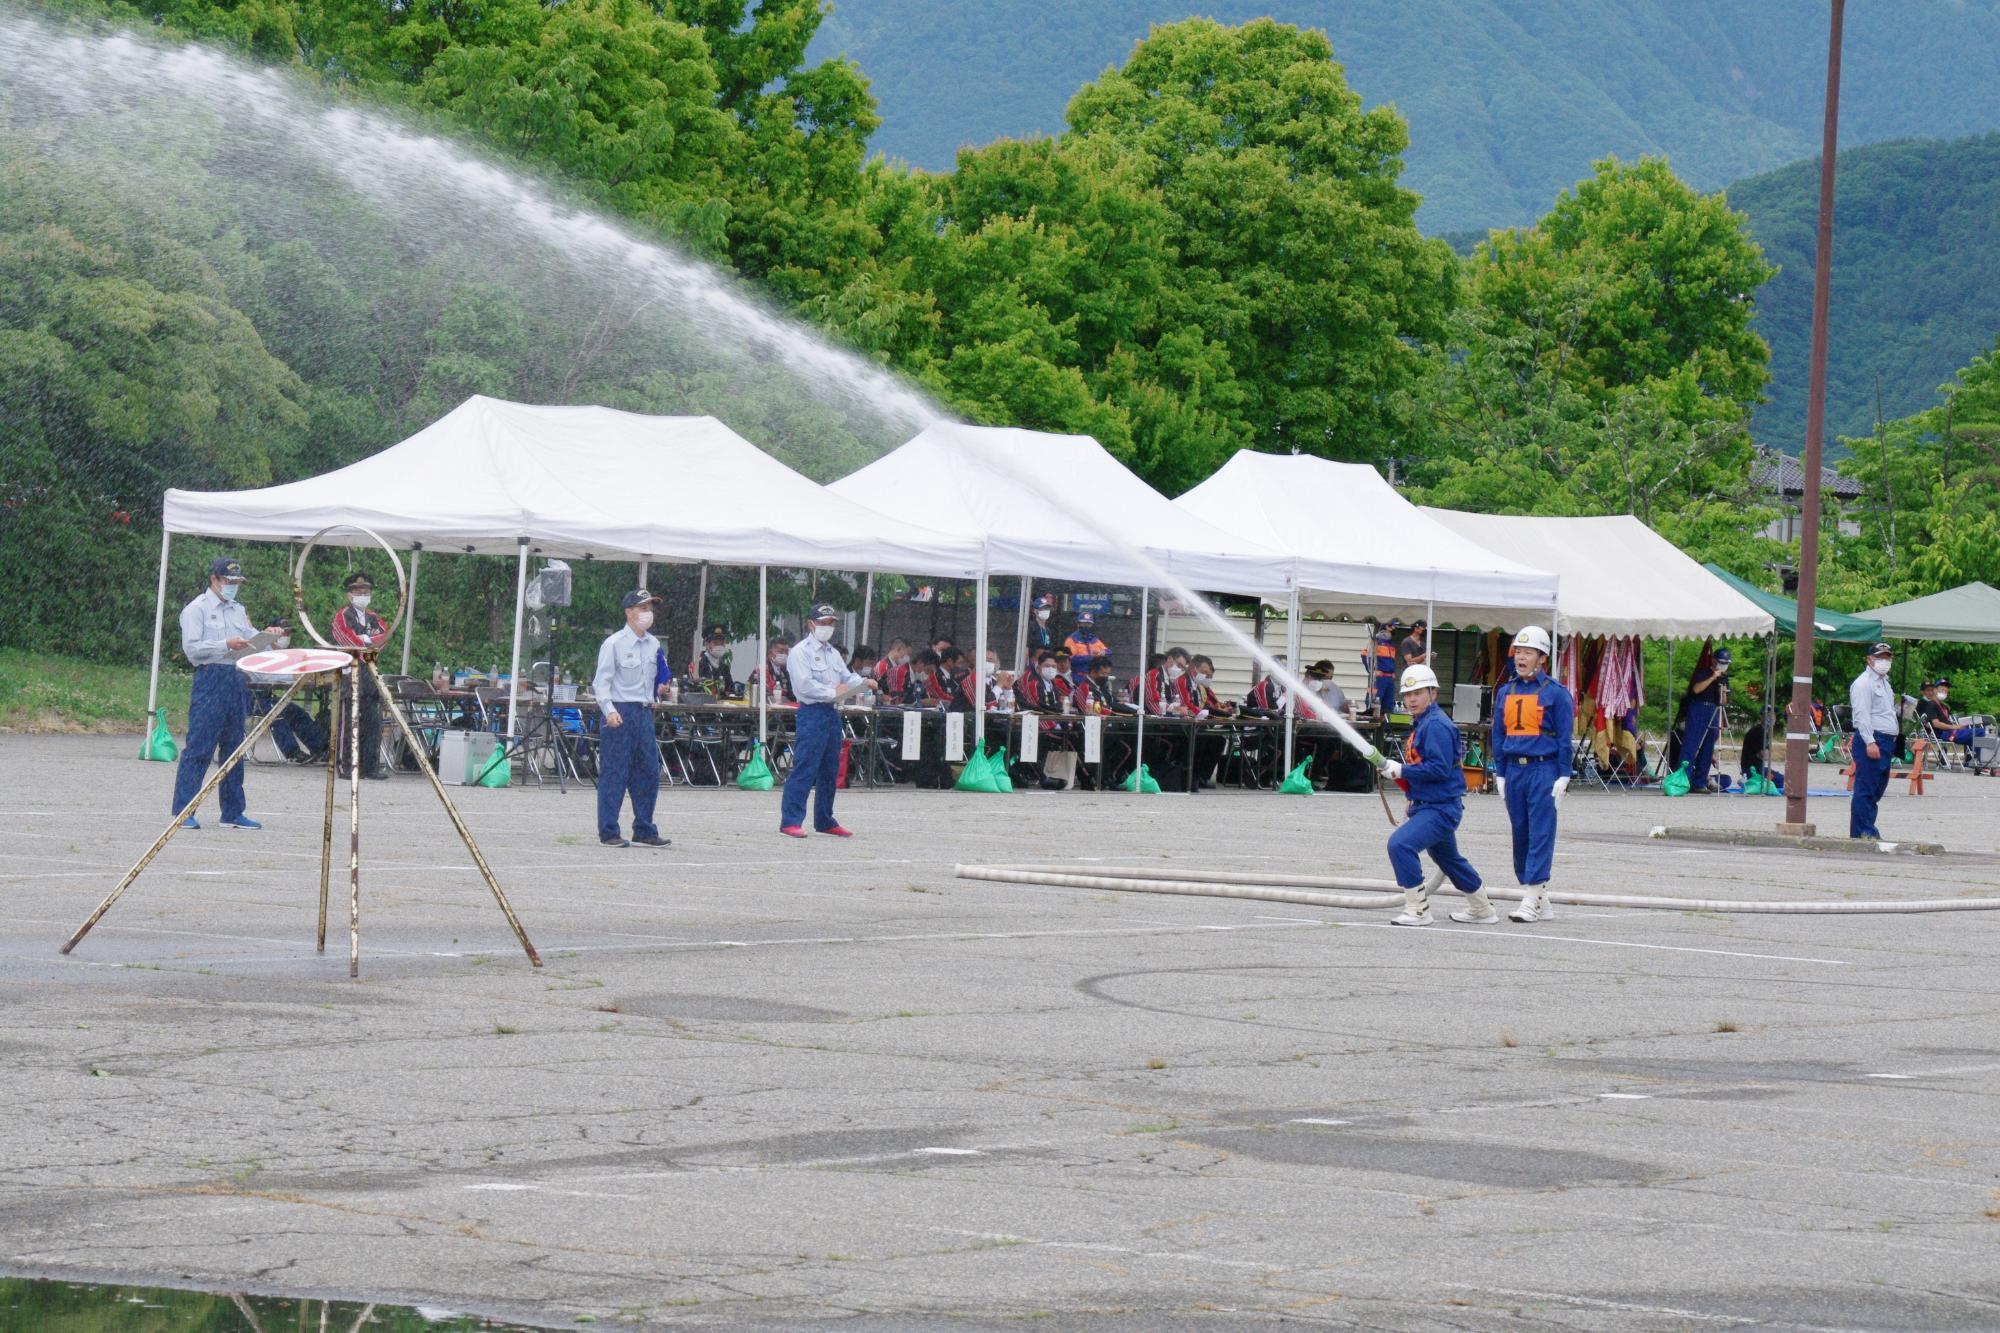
(498, 771)
(1141, 779)
(997, 770)
(1759, 784)
(1677, 782)
(160, 745)
(756, 775)
(1296, 782)
(977, 775)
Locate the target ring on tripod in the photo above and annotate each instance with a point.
(299, 585)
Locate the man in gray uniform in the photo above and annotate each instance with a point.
(214, 629)
(1877, 732)
(628, 753)
(819, 678)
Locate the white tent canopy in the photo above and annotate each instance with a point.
(576, 482)
(1362, 549)
(1619, 577)
(1005, 488)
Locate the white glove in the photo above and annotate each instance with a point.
(1556, 792)
(1500, 785)
(1393, 769)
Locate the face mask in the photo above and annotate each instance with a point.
(779, 659)
(284, 641)
(360, 601)
(1048, 673)
(1202, 680)
(227, 592)
(823, 632)
(1042, 616)
(715, 654)
(641, 622)
(1880, 665)
(1942, 695)
(1173, 672)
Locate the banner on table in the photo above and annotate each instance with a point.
(954, 737)
(1093, 739)
(913, 735)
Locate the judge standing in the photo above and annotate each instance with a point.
(214, 629)
(628, 753)
(820, 677)
(355, 626)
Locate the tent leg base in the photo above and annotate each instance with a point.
(1796, 830)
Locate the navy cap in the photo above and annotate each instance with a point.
(714, 632)
(1943, 680)
(226, 567)
(1881, 650)
(358, 580)
(1722, 656)
(638, 597)
(823, 611)
(1085, 618)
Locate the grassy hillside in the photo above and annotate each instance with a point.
(1508, 101)
(1916, 277)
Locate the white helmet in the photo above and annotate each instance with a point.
(1534, 636)
(1419, 677)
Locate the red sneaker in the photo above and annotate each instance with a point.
(837, 831)
(792, 831)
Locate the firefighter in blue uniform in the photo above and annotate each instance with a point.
(1534, 723)
(214, 629)
(1381, 660)
(628, 750)
(1430, 773)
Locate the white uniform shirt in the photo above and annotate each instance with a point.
(208, 623)
(818, 672)
(627, 665)
(1872, 701)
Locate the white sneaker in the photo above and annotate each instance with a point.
(1416, 908)
(1535, 907)
(1478, 910)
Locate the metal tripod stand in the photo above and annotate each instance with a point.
(349, 682)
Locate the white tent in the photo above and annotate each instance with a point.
(580, 481)
(493, 477)
(1060, 507)
(1362, 549)
(1619, 577)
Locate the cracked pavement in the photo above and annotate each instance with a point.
(762, 1081)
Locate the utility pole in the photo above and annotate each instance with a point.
(1798, 728)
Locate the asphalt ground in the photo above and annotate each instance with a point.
(762, 1081)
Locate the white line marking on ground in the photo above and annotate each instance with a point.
(1942, 1073)
(1622, 944)
(1625, 1096)
(1315, 1120)
(953, 1152)
(1594, 1304)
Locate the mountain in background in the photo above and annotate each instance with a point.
(1509, 101)
(1916, 278)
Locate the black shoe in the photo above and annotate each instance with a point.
(654, 840)
(613, 842)
(376, 774)
(1053, 784)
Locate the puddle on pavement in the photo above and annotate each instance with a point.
(92, 1307)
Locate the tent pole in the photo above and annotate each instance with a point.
(514, 669)
(1145, 651)
(867, 605)
(1293, 649)
(159, 623)
(1021, 662)
(410, 607)
(645, 571)
(700, 612)
(763, 657)
(979, 678)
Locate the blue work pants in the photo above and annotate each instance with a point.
(1385, 694)
(628, 760)
(1871, 779)
(220, 702)
(815, 767)
(1531, 810)
(1704, 722)
(1433, 829)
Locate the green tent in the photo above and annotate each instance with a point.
(1968, 614)
(1835, 625)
